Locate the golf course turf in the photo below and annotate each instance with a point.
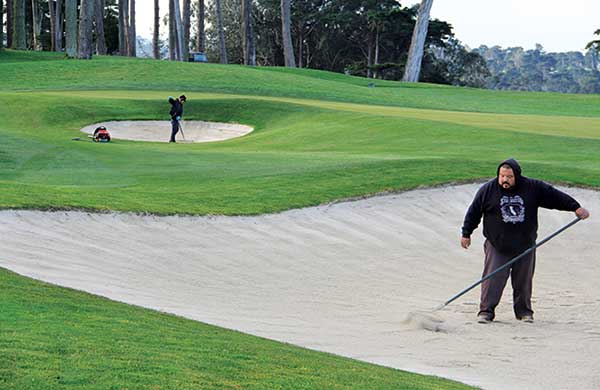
(319, 137)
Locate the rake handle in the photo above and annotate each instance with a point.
(514, 260)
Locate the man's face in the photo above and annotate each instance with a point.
(506, 178)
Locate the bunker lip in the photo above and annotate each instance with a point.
(340, 278)
(160, 131)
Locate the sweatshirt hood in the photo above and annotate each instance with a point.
(515, 167)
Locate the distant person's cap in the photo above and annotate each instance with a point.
(182, 97)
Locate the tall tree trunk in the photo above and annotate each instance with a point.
(178, 31)
(201, 36)
(9, 22)
(300, 44)
(121, 32)
(58, 26)
(288, 47)
(369, 54)
(156, 34)
(221, 32)
(172, 39)
(126, 27)
(86, 20)
(131, 31)
(415, 53)
(123, 27)
(100, 37)
(248, 47)
(51, 9)
(187, 10)
(376, 60)
(1, 24)
(308, 57)
(19, 31)
(36, 24)
(71, 28)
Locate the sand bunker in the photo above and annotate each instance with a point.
(339, 278)
(160, 131)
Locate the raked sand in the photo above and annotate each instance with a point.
(160, 131)
(339, 278)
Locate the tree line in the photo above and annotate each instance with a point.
(79, 28)
(372, 38)
(515, 68)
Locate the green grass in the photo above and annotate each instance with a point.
(301, 153)
(50, 71)
(56, 338)
(318, 137)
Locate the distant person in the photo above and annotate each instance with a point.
(176, 114)
(509, 205)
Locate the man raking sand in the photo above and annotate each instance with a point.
(429, 321)
(176, 113)
(509, 205)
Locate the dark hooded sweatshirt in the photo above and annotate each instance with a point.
(176, 108)
(510, 216)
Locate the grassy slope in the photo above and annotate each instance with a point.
(304, 152)
(303, 156)
(140, 74)
(318, 137)
(56, 338)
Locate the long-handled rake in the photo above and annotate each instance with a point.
(428, 321)
(181, 129)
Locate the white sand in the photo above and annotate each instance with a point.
(160, 131)
(339, 278)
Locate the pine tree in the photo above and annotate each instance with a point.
(248, 47)
(221, 29)
(100, 35)
(156, 35)
(71, 28)
(1, 24)
(86, 17)
(286, 30)
(201, 36)
(19, 31)
(131, 31)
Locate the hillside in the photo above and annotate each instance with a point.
(319, 136)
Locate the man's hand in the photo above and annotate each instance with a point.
(465, 242)
(582, 213)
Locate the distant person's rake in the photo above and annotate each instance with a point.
(427, 320)
(181, 129)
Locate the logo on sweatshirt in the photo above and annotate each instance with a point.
(513, 209)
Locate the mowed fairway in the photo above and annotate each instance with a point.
(304, 151)
(318, 138)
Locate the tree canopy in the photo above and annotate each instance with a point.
(360, 37)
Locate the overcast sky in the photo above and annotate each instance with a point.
(558, 25)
